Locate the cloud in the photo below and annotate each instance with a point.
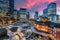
(58, 4)
(33, 4)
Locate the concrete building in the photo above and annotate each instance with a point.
(53, 17)
(58, 21)
(58, 17)
(11, 7)
(4, 5)
(23, 14)
(15, 14)
(36, 15)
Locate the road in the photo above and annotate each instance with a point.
(26, 24)
(58, 35)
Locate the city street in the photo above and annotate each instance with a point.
(58, 35)
(29, 19)
(24, 29)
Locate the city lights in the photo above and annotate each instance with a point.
(35, 20)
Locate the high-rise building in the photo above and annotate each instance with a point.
(36, 15)
(45, 12)
(11, 7)
(4, 5)
(53, 17)
(28, 15)
(52, 8)
(15, 14)
(51, 12)
(23, 14)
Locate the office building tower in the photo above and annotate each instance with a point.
(11, 7)
(36, 15)
(45, 12)
(52, 8)
(23, 14)
(28, 15)
(4, 5)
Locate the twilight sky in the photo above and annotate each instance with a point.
(35, 5)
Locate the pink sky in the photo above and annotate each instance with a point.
(35, 5)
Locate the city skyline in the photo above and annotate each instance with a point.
(35, 5)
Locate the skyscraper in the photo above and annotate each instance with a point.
(11, 7)
(36, 15)
(6, 7)
(52, 8)
(28, 15)
(4, 4)
(52, 12)
(15, 14)
(23, 14)
(45, 12)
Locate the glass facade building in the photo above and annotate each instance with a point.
(52, 8)
(11, 7)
